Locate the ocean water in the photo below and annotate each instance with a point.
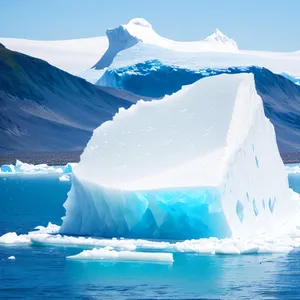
(42, 272)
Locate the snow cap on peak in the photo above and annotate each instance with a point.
(220, 37)
(140, 22)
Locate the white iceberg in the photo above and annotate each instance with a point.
(203, 162)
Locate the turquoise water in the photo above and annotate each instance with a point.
(42, 272)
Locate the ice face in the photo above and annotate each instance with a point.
(275, 61)
(191, 165)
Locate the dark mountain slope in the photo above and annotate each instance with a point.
(43, 108)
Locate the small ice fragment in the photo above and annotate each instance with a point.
(64, 178)
(112, 255)
(13, 238)
(11, 257)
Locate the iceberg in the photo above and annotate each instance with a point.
(201, 163)
(280, 96)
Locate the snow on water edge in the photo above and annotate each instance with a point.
(260, 244)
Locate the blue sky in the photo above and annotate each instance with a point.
(257, 24)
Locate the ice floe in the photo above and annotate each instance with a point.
(112, 255)
(256, 245)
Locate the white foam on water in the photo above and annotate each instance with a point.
(11, 257)
(111, 255)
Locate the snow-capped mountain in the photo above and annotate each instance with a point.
(221, 38)
(78, 55)
(139, 30)
(137, 42)
(46, 109)
(143, 31)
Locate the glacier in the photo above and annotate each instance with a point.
(137, 42)
(192, 165)
(79, 56)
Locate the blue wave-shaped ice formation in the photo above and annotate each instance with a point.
(280, 95)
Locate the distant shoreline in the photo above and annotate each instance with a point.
(49, 158)
(62, 158)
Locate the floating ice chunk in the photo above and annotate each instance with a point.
(64, 178)
(292, 169)
(50, 228)
(155, 171)
(13, 238)
(25, 168)
(11, 257)
(81, 241)
(40, 168)
(112, 255)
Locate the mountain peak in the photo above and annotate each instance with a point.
(219, 37)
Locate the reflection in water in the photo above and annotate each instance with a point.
(190, 276)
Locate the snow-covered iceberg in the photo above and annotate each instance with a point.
(280, 96)
(203, 162)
